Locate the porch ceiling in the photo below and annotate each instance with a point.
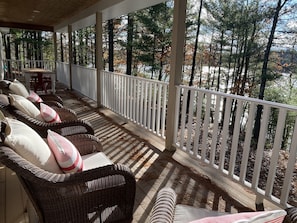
(40, 14)
(51, 15)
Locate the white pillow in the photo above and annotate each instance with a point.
(28, 144)
(24, 105)
(18, 88)
(67, 156)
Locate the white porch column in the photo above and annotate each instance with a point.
(70, 55)
(176, 62)
(99, 55)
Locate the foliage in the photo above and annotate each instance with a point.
(152, 37)
(84, 46)
(34, 45)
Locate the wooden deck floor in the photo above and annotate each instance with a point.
(153, 167)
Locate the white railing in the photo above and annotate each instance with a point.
(13, 68)
(210, 133)
(140, 100)
(63, 73)
(84, 80)
(216, 128)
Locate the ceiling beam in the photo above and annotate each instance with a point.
(127, 6)
(26, 26)
(91, 11)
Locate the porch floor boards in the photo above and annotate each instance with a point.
(153, 167)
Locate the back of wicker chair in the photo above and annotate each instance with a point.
(4, 87)
(66, 127)
(106, 193)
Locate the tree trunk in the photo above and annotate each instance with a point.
(62, 48)
(194, 54)
(7, 52)
(129, 44)
(220, 61)
(74, 48)
(264, 70)
(110, 46)
(196, 46)
(39, 49)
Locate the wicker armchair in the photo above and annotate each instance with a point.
(47, 98)
(165, 210)
(102, 194)
(65, 114)
(64, 128)
(70, 125)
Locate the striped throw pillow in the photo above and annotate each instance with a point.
(66, 154)
(34, 97)
(48, 114)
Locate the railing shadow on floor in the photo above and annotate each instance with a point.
(153, 169)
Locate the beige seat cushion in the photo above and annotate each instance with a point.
(94, 160)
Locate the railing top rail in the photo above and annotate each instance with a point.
(137, 78)
(239, 97)
(84, 67)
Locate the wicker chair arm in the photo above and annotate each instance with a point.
(86, 143)
(34, 173)
(72, 127)
(4, 86)
(53, 104)
(51, 97)
(66, 114)
(64, 128)
(164, 207)
(291, 216)
(109, 171)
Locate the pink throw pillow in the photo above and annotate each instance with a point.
(34, 97)
(49, 114)
(66, 154)
(276, 216)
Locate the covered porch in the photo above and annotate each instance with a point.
(146, 125)
(153, 166)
